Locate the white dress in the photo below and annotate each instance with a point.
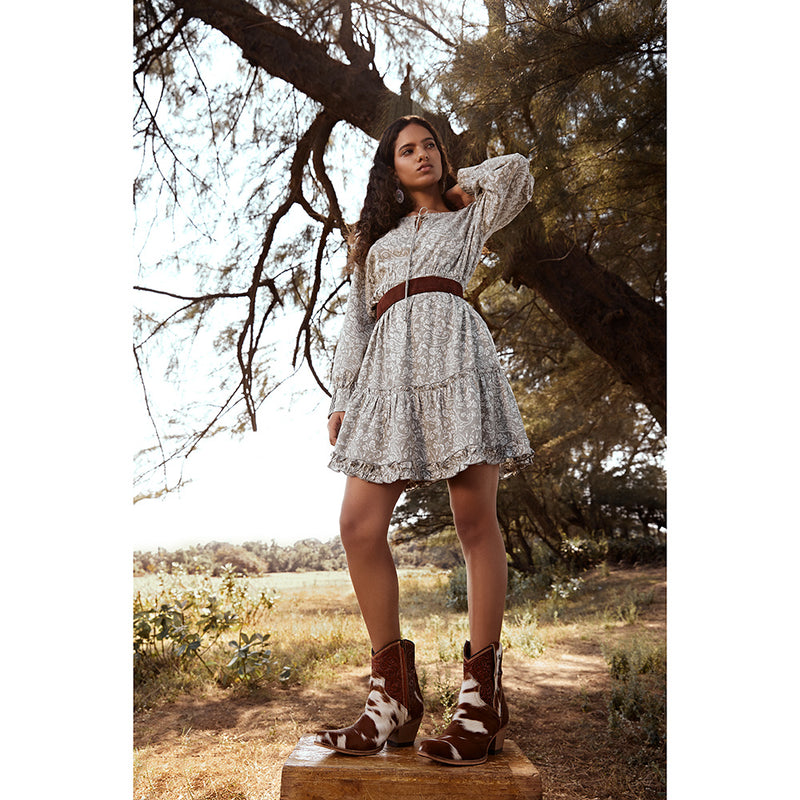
(422, 388)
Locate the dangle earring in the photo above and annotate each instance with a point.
(399, 196)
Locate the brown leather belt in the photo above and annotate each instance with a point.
(430, 283)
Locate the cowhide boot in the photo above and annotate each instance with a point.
(478, 727)
(394, 706)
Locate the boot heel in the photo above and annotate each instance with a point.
(405, 735)
(496, 745)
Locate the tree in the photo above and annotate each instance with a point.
(580, 85)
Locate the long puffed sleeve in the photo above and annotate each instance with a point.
(502, 187)
(357, 328)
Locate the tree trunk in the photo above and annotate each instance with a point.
(625, 329)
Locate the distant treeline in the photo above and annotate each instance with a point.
(256, 558)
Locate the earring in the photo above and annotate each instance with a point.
(399, 196)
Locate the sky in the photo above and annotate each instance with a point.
(270, 484)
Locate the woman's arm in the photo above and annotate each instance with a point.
(502, 187)
(457, 198)
(357, 328)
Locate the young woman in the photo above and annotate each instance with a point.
(420, 396)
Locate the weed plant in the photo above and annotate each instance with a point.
(637, 705)
(523, 633)
(185, 629)
(628, 607)
(442, 698)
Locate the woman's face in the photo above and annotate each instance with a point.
(417, 160)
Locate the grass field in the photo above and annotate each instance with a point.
(584, 673)
(280, 581)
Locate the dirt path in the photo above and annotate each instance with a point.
(223, 747)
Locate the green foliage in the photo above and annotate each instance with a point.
(306, 555)
(640, 550)
(563, 518)
(578, 555)
(581, 554)
(557, 597)
(250, 558)
(628, 608)
(179, 629)
(522, 632)
(251, 658)
(582, 88)
(551, 584)
(456, 591)
(524, 586)
(639, 695)
(445, 700)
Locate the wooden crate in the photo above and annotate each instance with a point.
(315, 773)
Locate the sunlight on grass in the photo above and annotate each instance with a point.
(315, 628)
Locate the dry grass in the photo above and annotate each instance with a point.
(230, 744)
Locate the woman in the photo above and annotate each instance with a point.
(420, 396)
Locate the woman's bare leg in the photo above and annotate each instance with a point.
(473, 499)
(364, 525)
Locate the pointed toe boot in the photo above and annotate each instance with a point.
(478, 726)
(393, 712)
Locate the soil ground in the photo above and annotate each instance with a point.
(229, 746)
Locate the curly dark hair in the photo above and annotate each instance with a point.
(381, 211)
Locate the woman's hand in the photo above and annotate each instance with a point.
(457, 197)
(334, 424)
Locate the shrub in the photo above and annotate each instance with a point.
(627, 608)
(456, 592)
(578, 555)
(638, 550)
(227, 556)
(522, 632)
(524, 586)
(180, 630)
(639, 695)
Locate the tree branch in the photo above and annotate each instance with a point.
(155, 27)
(358, 94)
(150, 415)
(156, 52)
(318, 131)
(194, 298)
(356, 54)
(420, 23)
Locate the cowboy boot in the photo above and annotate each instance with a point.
(394, 706)
(479, 723)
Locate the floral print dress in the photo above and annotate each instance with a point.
(422, 388)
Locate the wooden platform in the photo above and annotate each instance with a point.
(315, 773)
